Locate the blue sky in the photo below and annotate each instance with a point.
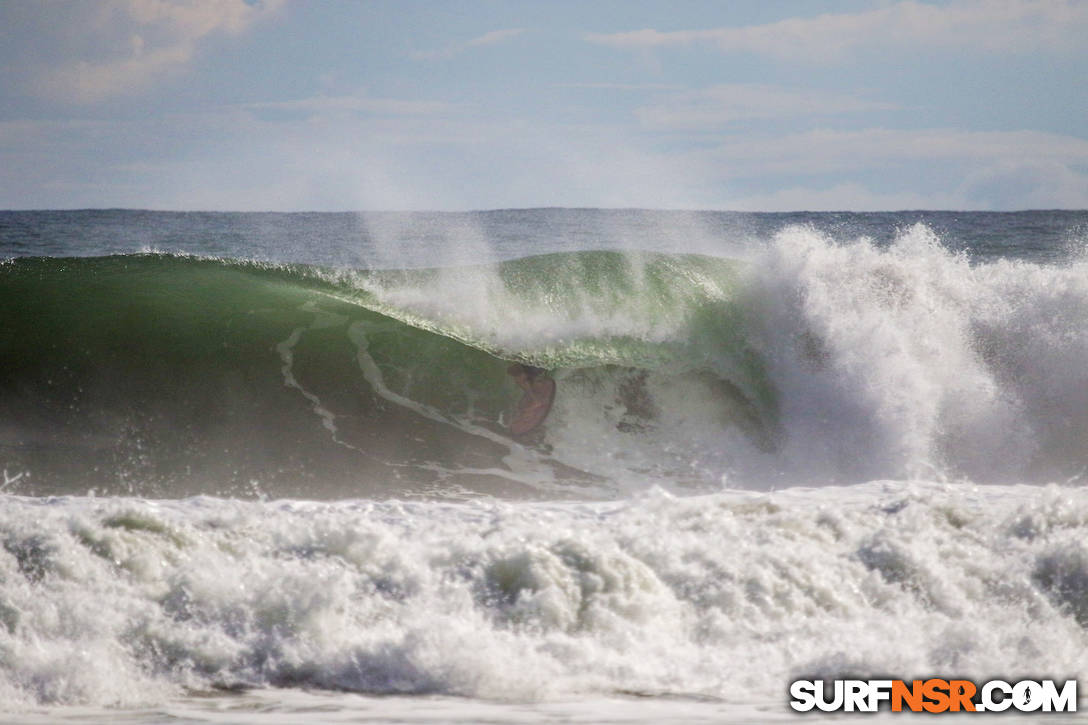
(298, 105)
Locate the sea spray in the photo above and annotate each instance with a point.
(911, 361)
(817, 360)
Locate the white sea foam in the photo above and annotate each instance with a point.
(728, 596)
(909, 361)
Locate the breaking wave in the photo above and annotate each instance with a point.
(812, 362)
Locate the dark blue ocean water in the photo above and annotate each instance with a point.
(410, 239)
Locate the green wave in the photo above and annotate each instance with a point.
(135, 368)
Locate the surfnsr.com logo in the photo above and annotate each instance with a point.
(933, 695)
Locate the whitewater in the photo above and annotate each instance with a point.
(256, 466)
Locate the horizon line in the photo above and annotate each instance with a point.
(695, 210)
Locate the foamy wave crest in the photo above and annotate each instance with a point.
(910, 361)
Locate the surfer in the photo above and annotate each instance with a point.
(534, 405)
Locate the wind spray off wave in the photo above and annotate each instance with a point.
(813, 361)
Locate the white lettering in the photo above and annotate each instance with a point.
(990, 704)
(855, 696)
(1064, 701)
(1027, 696)
(803, 693)
(879, 691)
(836, 702)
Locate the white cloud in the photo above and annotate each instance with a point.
(232, 158)
(495, 36)
(722, 104)
(127, 44)
(1030, 184)
(492, 38)
(357, 103)
(1003, 186)
(620, 86)
(841, 197)
(827, 151)
(1018, 26)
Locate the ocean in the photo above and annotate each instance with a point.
(257, 466)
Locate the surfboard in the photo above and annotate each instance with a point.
(534, 406)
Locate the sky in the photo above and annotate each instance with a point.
(290, 105)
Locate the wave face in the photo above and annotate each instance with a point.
(155, 374)
(809, 362)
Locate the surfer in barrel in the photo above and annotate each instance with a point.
(534, 405)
